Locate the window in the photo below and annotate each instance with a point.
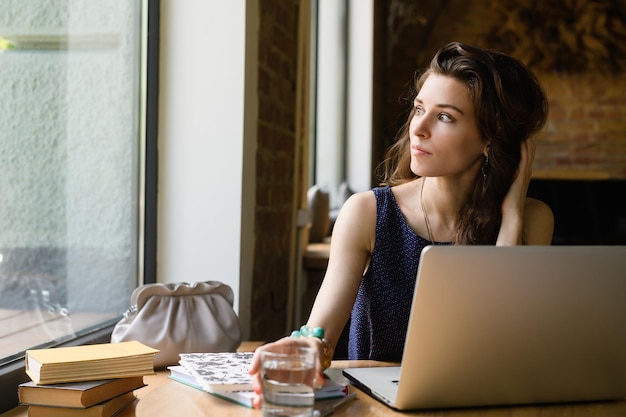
(77, 170)
(343, 83)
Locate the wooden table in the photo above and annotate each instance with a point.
(173, 399)
(163, 397)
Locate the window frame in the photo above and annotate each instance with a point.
(343, 138)
(12, 373)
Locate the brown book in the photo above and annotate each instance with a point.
(76, 394)
(89, 362)
(108, 408)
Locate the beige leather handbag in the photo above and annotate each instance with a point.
(181, 318)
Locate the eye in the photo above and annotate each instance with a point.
(418, 110)
(445, 118)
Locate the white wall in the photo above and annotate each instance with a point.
(206, 170)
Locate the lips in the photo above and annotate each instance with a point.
(417, 150)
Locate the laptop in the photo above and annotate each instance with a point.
(493, 326)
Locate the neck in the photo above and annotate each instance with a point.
(439, 208)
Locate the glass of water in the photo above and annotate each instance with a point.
(288, 377)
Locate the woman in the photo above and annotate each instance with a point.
(458, 173)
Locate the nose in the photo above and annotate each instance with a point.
(419, 125)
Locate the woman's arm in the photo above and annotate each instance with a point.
(525, 221)
(350, 248)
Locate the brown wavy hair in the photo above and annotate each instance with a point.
(510, 106)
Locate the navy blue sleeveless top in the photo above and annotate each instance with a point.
(380, 315)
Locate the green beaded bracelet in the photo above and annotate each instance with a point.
(306, 331)
(318, 333)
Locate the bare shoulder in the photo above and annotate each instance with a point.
(358, 215)
(538, 223)
(355, 228)
(359, 204)
(537, 208)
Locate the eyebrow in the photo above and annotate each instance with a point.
(443, 105)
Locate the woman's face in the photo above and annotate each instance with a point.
(443, 131)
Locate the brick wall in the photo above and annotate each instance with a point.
(587, 126)
(274, 167)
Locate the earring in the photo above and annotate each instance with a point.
(485, 168)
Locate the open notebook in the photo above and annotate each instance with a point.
(510, 325)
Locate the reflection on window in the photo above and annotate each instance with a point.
(70, 158)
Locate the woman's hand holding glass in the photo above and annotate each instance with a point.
(297, 339)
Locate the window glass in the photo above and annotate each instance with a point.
(71, 111)
(329, 140)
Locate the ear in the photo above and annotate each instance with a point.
(486, 149)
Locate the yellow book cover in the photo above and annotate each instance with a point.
(89, 362)
(108, 408)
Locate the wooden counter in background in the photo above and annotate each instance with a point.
(314, 262)
(316, 255)
(570, 174)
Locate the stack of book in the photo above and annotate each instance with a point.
(89, 380)
(225, 375)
